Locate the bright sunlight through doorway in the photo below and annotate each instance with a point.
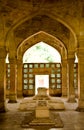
(41, 53)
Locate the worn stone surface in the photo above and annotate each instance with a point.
(20, 23)
(42, 112)
(13, 118)
(52, 104)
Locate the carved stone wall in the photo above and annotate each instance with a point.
(62, 19)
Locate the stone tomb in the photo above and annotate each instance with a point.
(41, 98)
(42, 115)
(42, 110)
(42, 91)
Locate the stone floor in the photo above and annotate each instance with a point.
(11, 120)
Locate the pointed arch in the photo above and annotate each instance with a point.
(38, 37)
(14, 28)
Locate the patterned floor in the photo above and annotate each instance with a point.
(12, 119)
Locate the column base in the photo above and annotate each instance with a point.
(12, 101)
(71, 99)
(3, 108)
(3, 111)
(64, 96)
(64, 93)
(12, 98)
(80, 107)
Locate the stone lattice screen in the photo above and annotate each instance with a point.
(54, 70)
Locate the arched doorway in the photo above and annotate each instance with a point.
(40, 64)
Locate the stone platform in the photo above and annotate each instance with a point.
(31, 121)
(41, 105)
(42, 121)
(31, 104)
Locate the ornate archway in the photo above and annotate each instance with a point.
(50, 30)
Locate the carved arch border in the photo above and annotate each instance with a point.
(44, 37)
(47, 13)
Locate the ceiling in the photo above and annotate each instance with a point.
(21, 19)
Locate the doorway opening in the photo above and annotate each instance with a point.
(42, 57)
(41, 81)
(41, 53)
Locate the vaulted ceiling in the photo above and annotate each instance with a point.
(20, 19)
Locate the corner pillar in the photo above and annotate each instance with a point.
(13, 81)
(2, 80)
(19, 78)
(81, 81)
(70, 80)
(64, 78)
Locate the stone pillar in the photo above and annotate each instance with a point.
(13, 81)
(70, 80)
(64, 78)
(2, 80)
(81, 82)
(19, 78)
